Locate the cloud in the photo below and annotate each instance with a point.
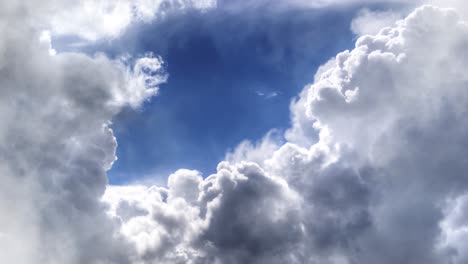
(237, 214)
(371, 22)
(56, 145)
(143, 80)
(373, 170)
(93, 20)
(269, 95)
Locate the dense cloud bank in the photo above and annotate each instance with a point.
(373, 170)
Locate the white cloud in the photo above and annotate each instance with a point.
(268, 95)
(96, 19)
(143, 80)
(46, 39)
(371, 22)
(256, 152)
(56, 145)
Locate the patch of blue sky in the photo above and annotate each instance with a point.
(232, 76)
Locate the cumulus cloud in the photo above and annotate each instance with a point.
(373, 170)
(56, 145)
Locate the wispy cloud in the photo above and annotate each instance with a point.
(267, 95)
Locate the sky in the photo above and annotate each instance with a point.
(256, 131)
(232, 76)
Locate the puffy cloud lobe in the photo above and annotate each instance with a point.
(250, 214)
(160, 226)
(185, 184)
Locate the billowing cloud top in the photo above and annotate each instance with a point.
(373, 170)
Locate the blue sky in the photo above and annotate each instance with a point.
(232, 76)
